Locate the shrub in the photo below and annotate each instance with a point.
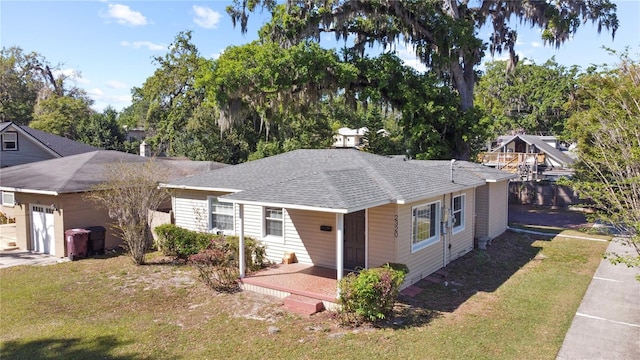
(254, 253)
(218, 266)
(181, 243)
(370, 294)
(5, 219)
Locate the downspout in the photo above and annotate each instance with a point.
(366, 238)
(473, 218)
(339, 250)
(444, 229)
(241, 260)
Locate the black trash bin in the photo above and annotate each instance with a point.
(96, 239)
(77, 241)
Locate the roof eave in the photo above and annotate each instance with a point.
(198, 188)
(29, 191)
(287, 206)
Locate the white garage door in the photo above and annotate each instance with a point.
(42, 230)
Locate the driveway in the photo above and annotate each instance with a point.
(10, 258)
(543, 216)
(10, 255)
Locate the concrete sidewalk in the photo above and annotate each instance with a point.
(607, 324)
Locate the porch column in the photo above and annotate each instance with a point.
(241, 240)
(339, 248)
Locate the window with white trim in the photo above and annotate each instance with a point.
(10, 141)
(8, 198)
(425, 222)
(457, 209)
(220, 216)
(273, 221)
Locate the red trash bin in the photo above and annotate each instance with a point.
(77, 240)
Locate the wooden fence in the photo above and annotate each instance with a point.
(542, 193)
(159, 217)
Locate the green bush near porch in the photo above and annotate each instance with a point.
(181, 243)
(370, 294)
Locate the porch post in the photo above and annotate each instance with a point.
(339, 248)
(241, 240)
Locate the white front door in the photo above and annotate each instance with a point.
(42, 230)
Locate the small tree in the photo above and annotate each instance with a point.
(606, 125)
(128, 193)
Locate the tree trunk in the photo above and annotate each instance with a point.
(463, 81)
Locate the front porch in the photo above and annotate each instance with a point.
(283, 280)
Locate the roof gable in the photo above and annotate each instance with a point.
(78, 173)
(539, 143)
(54, 144)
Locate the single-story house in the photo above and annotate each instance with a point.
(46, 197)
(22, 145)
(348, 209)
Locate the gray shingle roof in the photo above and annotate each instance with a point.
(338, 179)
(58, 144)
(77, 173)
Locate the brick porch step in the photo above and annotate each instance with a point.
(303, 305)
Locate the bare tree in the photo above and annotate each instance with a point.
(606, 126)
(129, 191)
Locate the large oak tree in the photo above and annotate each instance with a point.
(443, 33)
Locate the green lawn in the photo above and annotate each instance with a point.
(514, 300)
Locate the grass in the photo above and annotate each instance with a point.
(514, 300)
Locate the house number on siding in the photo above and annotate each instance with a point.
(395, 231)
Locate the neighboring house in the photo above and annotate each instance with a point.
(46, 198)
(350, 138)
(348, 209)
(22, 145)
(531, 157)
(135, 134)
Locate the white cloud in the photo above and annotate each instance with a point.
(102, 101)
(124, 15)
(115, 84)
(536, 44)
(70, 75)
(95, 92)
(206, 17)
(216, 56)
(502, 57)
(409, 58)
(140, 44)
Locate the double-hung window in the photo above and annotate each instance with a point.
(273, 220)
(220, 216)
(425, 221)
(10, 141)
(457, 209)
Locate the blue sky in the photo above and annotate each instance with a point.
(111, 43)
